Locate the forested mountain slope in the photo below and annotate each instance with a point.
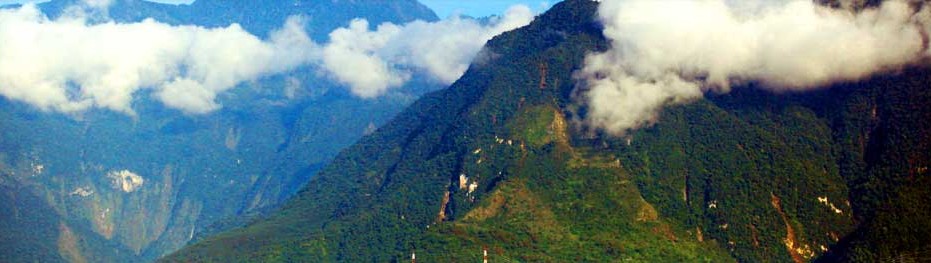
(497, 161)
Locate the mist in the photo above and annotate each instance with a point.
(665, 53)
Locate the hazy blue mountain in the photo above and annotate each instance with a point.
(494, 162)
(322, 17)
(260, 17)
(33, 231)
(201, 173)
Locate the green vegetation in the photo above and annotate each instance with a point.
(749, 176)
(883, 126)
(563, 203)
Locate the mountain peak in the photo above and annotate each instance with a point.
(498, 161)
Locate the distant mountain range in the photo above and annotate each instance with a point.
(259, 17)
(101, 186)
(495, 162)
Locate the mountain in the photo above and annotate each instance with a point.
(48, 233)
(496, 161)
(258, 17)
(102, 186)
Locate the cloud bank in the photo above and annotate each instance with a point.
(370, 62)
(671, 52)
(74, 63)
(68, 65)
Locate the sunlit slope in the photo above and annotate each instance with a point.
(497, 161)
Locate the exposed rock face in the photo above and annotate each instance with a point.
(125, 180)
(82, 192)
(463, 181)
(442, 214)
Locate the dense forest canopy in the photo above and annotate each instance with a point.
(499, 161)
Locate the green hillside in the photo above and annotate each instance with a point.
(498, 161)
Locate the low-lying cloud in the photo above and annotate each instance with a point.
(371, 62)
(75, 63)
(671, 52)
(69, 65)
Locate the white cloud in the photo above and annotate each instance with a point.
(670, 52)
(70, 65)
(350, 58)
(372, 62)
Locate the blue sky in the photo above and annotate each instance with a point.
(480, 8)
(443, 8)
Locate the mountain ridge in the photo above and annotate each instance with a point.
(746, 176)
(258, 18)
